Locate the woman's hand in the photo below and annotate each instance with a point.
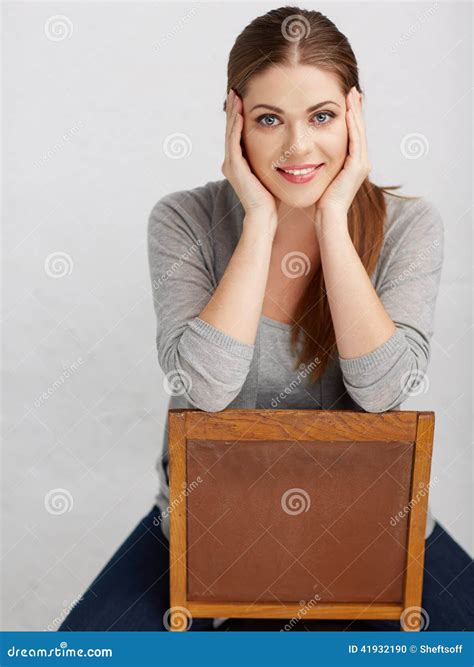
(254, 196)
(340, 193)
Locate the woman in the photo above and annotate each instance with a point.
(293, 271)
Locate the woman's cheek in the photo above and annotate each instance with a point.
(256, 151)
(249, 142)
(336, 145)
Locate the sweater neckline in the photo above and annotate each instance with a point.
(276, 323)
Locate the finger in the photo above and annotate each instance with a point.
(355, 106)
(237, 120)
(354, 137)
(229, 124)
(229, 108)
(352, 125)
(359, 120)
(235, 136)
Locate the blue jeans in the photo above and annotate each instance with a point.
(132, 590)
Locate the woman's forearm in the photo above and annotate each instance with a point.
(236, 305)
(361, 323)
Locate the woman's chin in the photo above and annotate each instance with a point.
(301, 195)
(297, 200)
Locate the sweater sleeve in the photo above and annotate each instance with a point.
(407, 285)
(202, 363)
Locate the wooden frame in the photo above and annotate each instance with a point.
(300, 425)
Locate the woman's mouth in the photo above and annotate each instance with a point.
(300, 174)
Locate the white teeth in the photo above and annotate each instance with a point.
(299, 171)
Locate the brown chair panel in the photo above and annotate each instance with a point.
(250, 538)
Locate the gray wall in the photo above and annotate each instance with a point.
(88, 100)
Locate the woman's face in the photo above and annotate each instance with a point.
(289, 135)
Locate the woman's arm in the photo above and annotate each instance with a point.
(236, 305)
(360, 321)
(384, 331)
(202, 362)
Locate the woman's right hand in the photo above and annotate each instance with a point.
(254, 196)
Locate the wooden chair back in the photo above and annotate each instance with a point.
(279, 513)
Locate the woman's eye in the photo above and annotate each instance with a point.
(262, 118)
(324, 113)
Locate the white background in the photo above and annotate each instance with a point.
(84, 121)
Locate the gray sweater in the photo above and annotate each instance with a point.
(192, 235)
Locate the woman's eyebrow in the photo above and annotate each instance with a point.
(278, 110)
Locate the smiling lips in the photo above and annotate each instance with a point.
(301, 173)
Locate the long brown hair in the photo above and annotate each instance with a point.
(293, 36)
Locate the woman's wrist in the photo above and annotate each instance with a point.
(260, 224)
(331, 221)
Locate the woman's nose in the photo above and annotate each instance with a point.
(301, 139)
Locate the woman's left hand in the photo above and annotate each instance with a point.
(340, 193)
